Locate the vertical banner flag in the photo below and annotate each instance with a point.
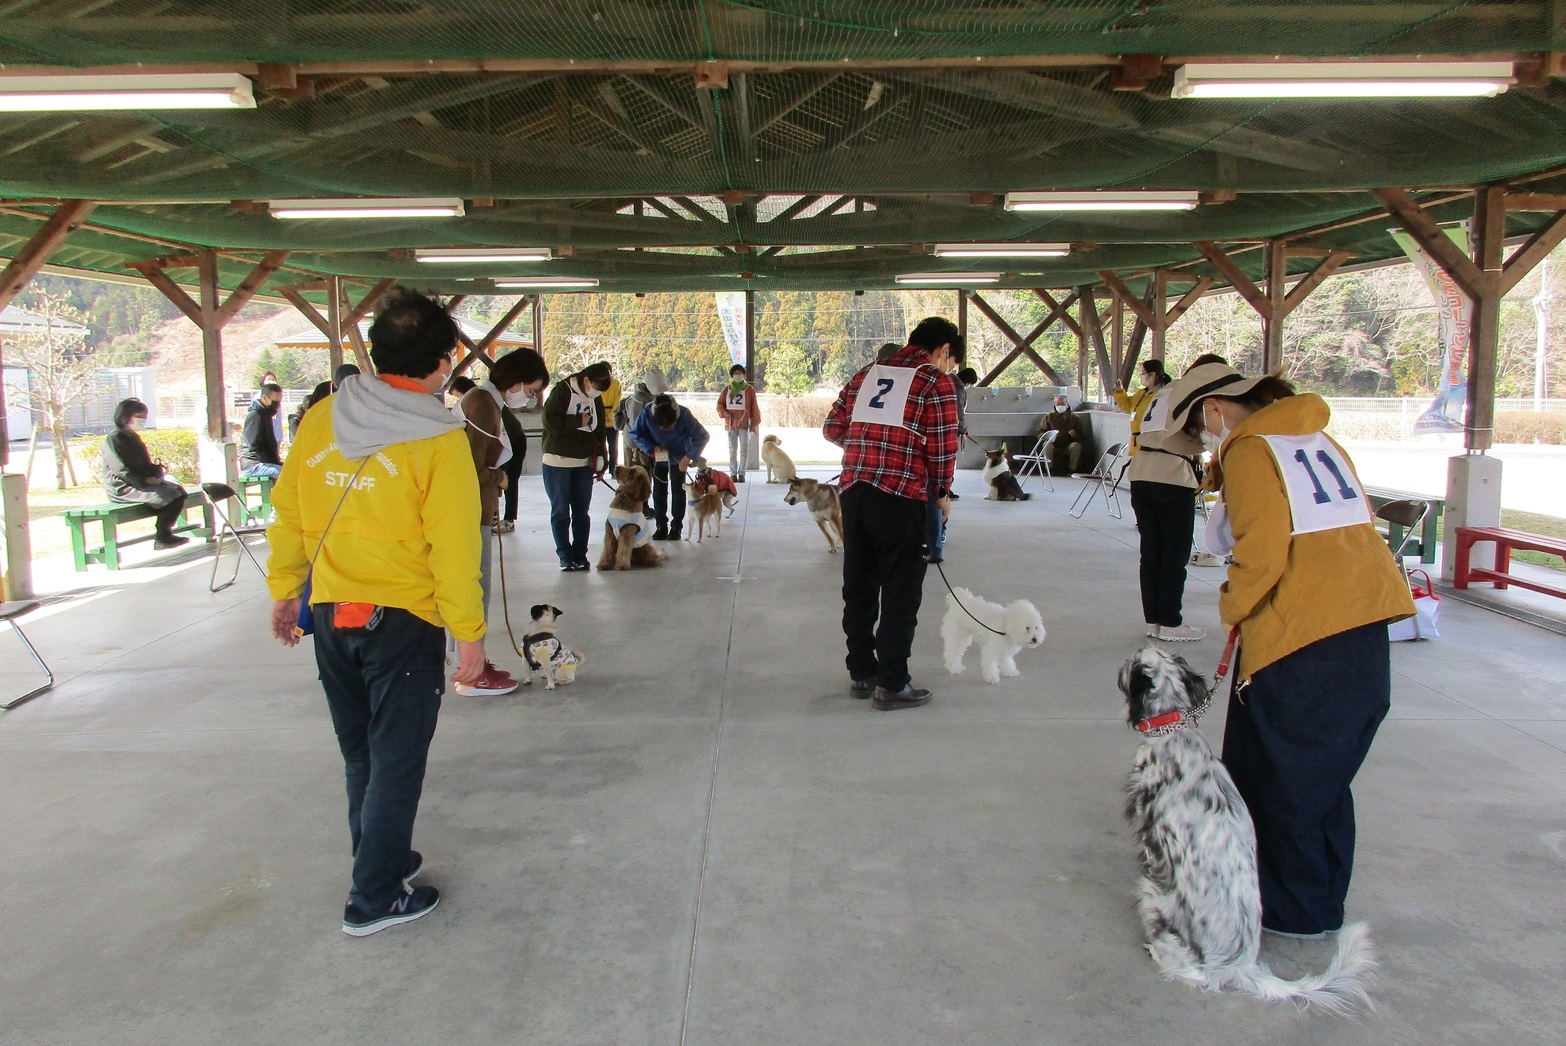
(731, 314)
(1456, 313)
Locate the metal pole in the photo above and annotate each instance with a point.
(1541, 319)
(538, 323)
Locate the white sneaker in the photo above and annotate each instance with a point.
(1152, 631)
(1180, 633)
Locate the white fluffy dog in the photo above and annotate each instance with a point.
(1198, 897)
(1000, 632)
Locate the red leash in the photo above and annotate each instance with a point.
(1169, 722)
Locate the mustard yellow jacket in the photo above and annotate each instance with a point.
(407, 534)
(1285, 590)
(1132, 403)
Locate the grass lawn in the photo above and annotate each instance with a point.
(1550, 526)
(50, 535)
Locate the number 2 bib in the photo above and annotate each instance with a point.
(883, 396)
(1324, 493)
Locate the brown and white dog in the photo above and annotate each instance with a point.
(703, 504)
(1002, 485)
(707, 477)
(824, 504)
(628, 533)
(780, 467)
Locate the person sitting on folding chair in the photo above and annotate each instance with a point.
(1068, 445)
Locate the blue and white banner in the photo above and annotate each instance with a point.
(731, 315)
(1455, 310)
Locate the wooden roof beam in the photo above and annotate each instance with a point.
(34, 255)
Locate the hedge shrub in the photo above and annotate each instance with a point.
(1516, 426)
(176, 448)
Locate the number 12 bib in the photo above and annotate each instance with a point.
(883, 396)
(1324, 493)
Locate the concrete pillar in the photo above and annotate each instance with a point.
(1473, 499)
(753, 449)
(18, 540)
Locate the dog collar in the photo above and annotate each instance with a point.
(1169, 722)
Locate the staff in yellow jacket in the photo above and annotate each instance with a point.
(1312, 589)
(378, 509)
(1135, 403)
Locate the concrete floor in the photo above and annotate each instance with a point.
(706, 841)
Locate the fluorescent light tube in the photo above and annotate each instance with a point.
(457, 256)
(348, 207)
(1343, 79)
(949, 277)
(547, 283)
(130, 91)
(1101, 201)
(1002, 250)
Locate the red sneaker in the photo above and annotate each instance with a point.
(491, 683)
(499, 673)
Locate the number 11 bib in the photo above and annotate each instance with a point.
(883, 396)
(1324, 493)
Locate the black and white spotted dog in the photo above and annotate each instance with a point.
(1198, 898)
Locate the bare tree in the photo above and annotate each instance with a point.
(60, 370)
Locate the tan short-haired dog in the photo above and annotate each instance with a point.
(825, 507)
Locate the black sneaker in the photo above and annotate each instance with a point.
(416, 903)
(565, 566)
(414, 866)
(661, 534)
(674, 532)
(162, 542)
(580, 564)
(954, 496)
(907, 697)
(862, 688)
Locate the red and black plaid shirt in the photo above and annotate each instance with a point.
(906, 461)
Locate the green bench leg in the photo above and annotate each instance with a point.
(78, 543)
(111, 545)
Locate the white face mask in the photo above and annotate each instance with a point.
(518, 399)
(1212, 441)
(1060, 406)
(136, 424)
(1147, 379)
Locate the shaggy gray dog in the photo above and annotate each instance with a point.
(1198, 897)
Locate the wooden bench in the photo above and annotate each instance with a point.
(1429, 533)
(1505, 539)
(111, 514)
(262, 487)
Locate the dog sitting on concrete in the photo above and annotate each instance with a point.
(1000, 631)
(544, 651)
(1198, 898)
(703, 504)
(780, 467)
(999, 481)
(627, 531)
(825, 507)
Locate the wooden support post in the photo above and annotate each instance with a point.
(1117, 335)
(34, 254)
(750, 334)
(962, 315)
(250, 285)
(1489, 246)
(212, 347)
(334, 320)
(1095, 333)
(368, 303)
(1277, 261)
(1158, 305)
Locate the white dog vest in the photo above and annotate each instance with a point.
(621, 517)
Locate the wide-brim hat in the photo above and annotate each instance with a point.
(1210, 379)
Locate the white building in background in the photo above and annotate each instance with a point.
(94, 412)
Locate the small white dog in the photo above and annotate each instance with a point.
(1198, 898)
(1000, 632)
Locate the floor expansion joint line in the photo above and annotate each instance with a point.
(712, 785)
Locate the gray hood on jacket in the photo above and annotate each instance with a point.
(369, 415)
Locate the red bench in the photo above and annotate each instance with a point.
(1505, 539)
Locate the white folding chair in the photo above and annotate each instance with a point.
(1037, 459)
(9, 612)
(218, 494)
(1102, 478)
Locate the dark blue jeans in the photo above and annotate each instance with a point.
(883, 582)
(662, 484)
(934, 529)
(1295, 738)
(570, 493)
(384, 689)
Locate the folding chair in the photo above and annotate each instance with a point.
(1409, 514)
(217, 494)
(1102, 478)
(1037, 459)
(10, 612)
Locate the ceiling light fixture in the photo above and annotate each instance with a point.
(548, 283)
(458, 256)
(347, 207)
(1343, 79)
(948, 278)
(33, 94)
(1002, 250)
(1101, 201)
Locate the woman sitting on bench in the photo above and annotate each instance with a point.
(130, 476)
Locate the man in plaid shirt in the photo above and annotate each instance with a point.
(897, 424)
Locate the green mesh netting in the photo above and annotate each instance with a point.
(870, 160)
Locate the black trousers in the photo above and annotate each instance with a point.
(513, 471)
(661, 492)
(883, 578)
(167, 497)
(1165, 519)
(1295, 738)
